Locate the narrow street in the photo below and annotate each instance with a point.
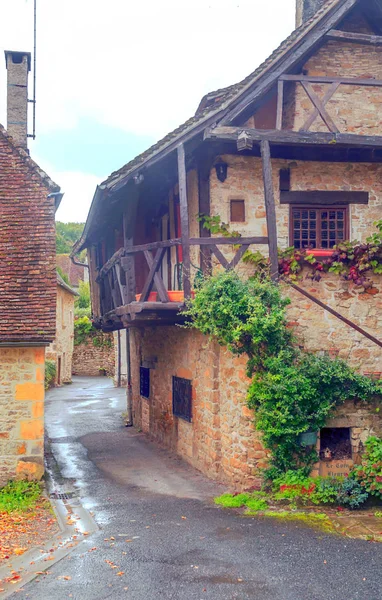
(180, 545)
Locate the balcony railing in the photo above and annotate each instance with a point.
(117, 277)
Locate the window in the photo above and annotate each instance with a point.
(318, 227)
(182, 398)
(237, 214)
(144, 382)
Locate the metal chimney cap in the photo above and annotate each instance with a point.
(17, 57)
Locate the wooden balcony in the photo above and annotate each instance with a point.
(122, 304)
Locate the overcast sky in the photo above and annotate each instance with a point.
(114, 76)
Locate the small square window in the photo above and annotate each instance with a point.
(144, 382)
(182, 398)
(237, 211)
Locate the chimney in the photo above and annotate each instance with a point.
(18, 67)
(305, 9)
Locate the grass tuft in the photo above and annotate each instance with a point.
(18, 496)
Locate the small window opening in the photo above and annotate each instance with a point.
(144, 382)
(237, 211)
(182, 398)
(335, 443)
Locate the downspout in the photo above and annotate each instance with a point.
(129, 389)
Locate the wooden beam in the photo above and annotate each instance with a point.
(342, 80)
(296, 138)
(270, 208)
(227, 241)
(161, 288)
(204, 168)
(335, 313)
(359, 38)
(182, 176)
(324, 198)
(287, 62)
(312, 117)
(280, 104)
(154, 267)
(330, 124)
(130, 290)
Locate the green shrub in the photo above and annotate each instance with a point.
(369, 473)
(327, 490)
(19, 496)
(50, 373)
(254, 501)
(351, 493)
(292, 391)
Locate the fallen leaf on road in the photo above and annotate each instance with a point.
(121, 573)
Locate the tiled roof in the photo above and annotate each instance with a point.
(66, 286)
(215, 101)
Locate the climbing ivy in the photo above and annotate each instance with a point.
(292, 391)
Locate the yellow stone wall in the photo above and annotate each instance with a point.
(62, 346)
(21, 413)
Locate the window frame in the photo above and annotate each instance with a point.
(186, 403)
(242, 202)
(320, 208)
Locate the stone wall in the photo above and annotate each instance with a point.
(21, 413)
(221, 440)
(61, 349)
(88, 358)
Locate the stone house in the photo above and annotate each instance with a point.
(61, 349)
(28, 201)
(290, 156)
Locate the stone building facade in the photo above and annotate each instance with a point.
(61, 349)
(28, 200)
(317, 106)
(91, 360)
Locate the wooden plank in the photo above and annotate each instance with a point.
(153, 246)
(280, 104)
(360, 38)
(221, 258)
(129, 221)
(154, 267)
(182, 176)
(161, 288)
(296, 138)
(270, 208)
(287, 62)
(324, 198)
(330, 124)
(227, 241)
(238, 256)
(342, 80)
(111, 262)
(335, 313)
(204, 167)
(284, 180)
(312, 117)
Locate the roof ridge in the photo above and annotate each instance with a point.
(30, 163)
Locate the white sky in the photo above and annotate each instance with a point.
(140, 66)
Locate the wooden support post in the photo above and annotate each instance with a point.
(280, 103)
(128, 224)
(270, 208)
(204, 168)
(182, 176)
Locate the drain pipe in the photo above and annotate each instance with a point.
(129, 389)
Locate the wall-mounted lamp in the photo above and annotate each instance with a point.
(221, 168)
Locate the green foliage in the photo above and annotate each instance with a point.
(18, 496)
(67, 235)
(84, 330)
(246, 316)
(297, 392)
(63, 275)
(50, 373)
(351, 493)
(83, 327)
(254, 502)
(292, 392)
(83, 301)
(369, 472)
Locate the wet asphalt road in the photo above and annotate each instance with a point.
(183, 547)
